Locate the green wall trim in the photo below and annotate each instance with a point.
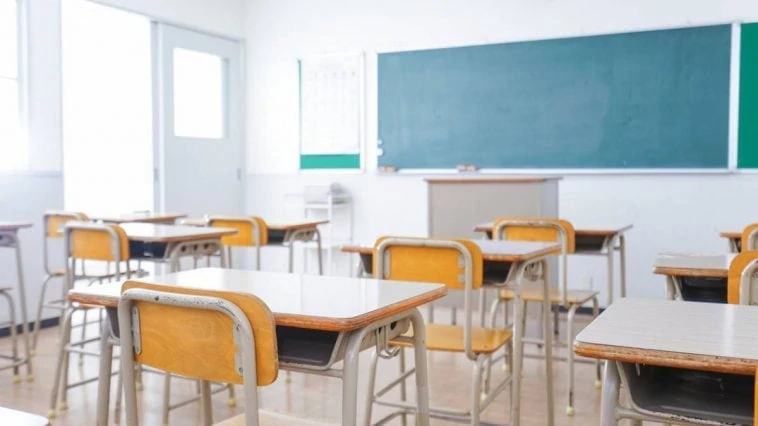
(747, 152)
(332, 161)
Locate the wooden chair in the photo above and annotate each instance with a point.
(742, 283)
(251, 232)
(749, 240)
(206, 335)
(550, 230)
(85, 242)
(458, 264)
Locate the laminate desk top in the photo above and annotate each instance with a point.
(14, 226)
(694, 335)
(166, 218)
(155, 233)
(693, 265)
(589, 231)
(306, 301)
(493, 251)
(732, 235)
(291, 226)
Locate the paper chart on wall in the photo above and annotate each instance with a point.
(330, 104)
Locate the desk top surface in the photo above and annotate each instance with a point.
(494, 251)
(150, 232)
(290, 226)
(13, 226)
(306, 301)
(732, 235)
(142, 218)
(693, 265)
(669, 333)
(587, 231)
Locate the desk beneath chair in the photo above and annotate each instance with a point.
(159, 218)
(320, 320)
(604, 240)
(9, 239)
(694, 277)
(505, 265)
(654, 345)
(734, 238)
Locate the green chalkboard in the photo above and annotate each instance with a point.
(747, 156)
(653, 99)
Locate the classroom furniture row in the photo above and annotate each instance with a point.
(690, 359)
(309, 315)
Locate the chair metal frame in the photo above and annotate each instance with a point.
(500, 233)
(129, 335)
(61, 384)
(479, 401)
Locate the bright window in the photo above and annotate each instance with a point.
(13, 149)
(198, 95)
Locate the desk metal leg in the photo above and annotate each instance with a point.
(610, 252)
(16, 244)
(622, 265)
(610, 398)
(548, 346)
(422, 377)
(205, 403)
(350, 378)
(518, 337)
(104, 380)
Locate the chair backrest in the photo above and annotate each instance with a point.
(456, 263)
(540, 230)
(52, 226)
(742, 285)
(251, 231)
(216, 336)
(96, 241)
(749, 240)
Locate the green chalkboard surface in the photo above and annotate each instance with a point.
(748, 135)
(653, 99)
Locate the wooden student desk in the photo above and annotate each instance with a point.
(505, 264)
(320, 321)
(595, 241)
(9, 239)
(648, 342)
(286, 234)
(735, 240)
(694, 277)
(160, 218)
(168, 243)
(19, 418)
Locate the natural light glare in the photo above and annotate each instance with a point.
(107, 109)
(13, 144)
(198, 94)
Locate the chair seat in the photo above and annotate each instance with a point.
(270, 418)
(534, 293)
(449, 338)
(20, 418)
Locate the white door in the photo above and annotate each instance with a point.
(200, 132)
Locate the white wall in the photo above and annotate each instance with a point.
(669, 212)
(26, 195)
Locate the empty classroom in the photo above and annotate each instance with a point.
(378, 212)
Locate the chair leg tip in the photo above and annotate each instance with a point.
(231, 402)
(62, 406)
(51, 414)
(32, 352)
(569, 411)
(30, 378)
(16, 379)
(598, 384)
(139, 386)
